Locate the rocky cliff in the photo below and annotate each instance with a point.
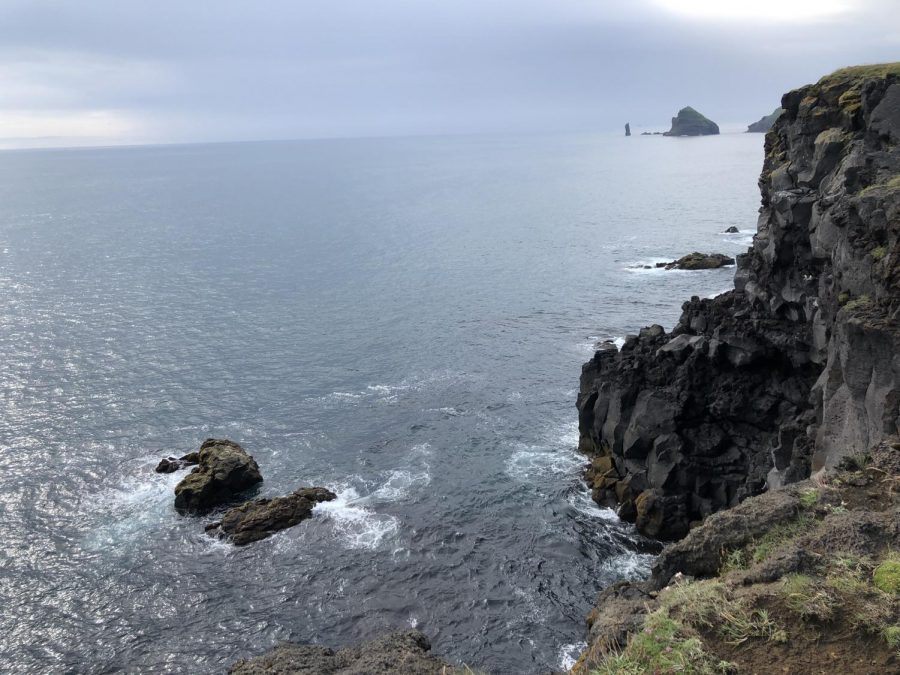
(689, 122)
(765, 123)
(799, 365)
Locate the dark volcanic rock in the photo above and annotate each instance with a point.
(261, 518)
(627, 129)
(225, 469)
(732, 230)
(405, 652)
(698, 261)
(796, 367)
(691, 123)
(171, 464)
(764, 124)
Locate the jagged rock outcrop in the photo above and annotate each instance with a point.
(689, 122)
(173, 464)
(809, 560)
(765, 123)
(261, 518)
(224, 471)
(404, 652)
(799, 365)
(698, 261)
(627, 129)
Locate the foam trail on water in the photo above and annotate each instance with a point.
(358, 526)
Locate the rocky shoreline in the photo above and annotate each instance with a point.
(761, 435)
(793, 374)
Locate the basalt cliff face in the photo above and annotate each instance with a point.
(799, 365)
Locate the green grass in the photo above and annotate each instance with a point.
(891, 635)
(807, 599)
(764, 546)
(663, 646)
(809, 498)
(876, 70)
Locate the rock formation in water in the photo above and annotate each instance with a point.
(405, 652)
(224, 471)
(261, 518)
(731, 230)
(627, 129)
(799, 365)
(698, 261)
(691, 123)
(173, 464)
(764, 124)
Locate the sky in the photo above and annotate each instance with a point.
(101, 72)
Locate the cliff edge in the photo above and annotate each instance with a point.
(799, 365)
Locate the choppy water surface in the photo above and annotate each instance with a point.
(403, 321)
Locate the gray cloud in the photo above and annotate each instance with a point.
(112, 71)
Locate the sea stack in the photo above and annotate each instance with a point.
(627, 129)
(689, 122)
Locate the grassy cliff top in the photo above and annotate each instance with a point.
(878, 70)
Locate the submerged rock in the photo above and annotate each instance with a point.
(172, 464)
(402, 652)
(764, 124)
(261, 518)
(698, 261)
(689, 122)
(224, 470)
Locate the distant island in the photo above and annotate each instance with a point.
(763, 125)
(691, 123)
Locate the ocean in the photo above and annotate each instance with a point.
(400, 320)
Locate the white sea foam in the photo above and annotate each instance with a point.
(629, 565)
(358, 526)
(582, 502)
(400, 482)
(568, 654)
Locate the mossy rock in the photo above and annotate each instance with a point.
(887, 577)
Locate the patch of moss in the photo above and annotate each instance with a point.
(879, 252)
(887, 186)
(843, 298)
(891, 635)
(887, 576)
(862, 302)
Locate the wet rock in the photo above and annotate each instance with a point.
(403, 652)
(261, 518)
(224, 471)
(732, 230)
(698, 261)
(689, 122)
(172, 464)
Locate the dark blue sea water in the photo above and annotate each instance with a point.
(401, 320)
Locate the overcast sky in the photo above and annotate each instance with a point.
(134, 71)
